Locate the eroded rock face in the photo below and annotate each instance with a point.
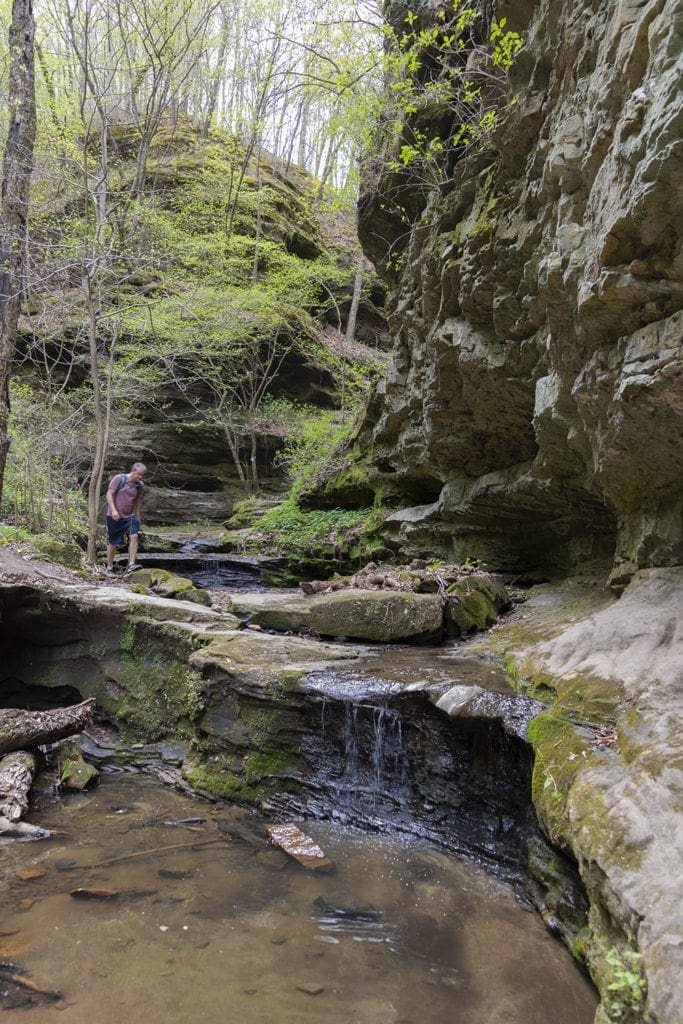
(611, 793)
(533, 414)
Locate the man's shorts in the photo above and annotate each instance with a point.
(117, 529)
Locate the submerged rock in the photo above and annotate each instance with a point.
(300, 847)
(74, 771)
(344, 909)
(94, 894)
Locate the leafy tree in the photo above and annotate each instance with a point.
(446, 86)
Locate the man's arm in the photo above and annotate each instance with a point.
(138, 503)
(111, 506)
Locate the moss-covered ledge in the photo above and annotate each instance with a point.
(248, 738)
(170, 671)
(608, 776)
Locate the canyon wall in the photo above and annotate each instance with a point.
(533, 415)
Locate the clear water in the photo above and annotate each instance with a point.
(229, 930)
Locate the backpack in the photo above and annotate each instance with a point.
(122, 482)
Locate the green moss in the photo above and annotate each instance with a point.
(580, 945)
(511, 670)
(222, 784)
(168, 584)
(616, 967)
(317, 542)
(559, 753)
(250, 779)
(267, 764)
(162, 694)
(261, 723)
(74, 772)
(128, 637)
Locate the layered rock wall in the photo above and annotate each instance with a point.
(534, 412)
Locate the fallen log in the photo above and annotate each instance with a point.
(21, 729)
(16, 777)
(23, 830)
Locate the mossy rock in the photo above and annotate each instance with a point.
(378, 615)
(161, 695)
(474, 604)
(167, 584)
(559, 751)
(252, 778)
(74, 772)
(245, 513)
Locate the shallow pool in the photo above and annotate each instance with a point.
(206, 922)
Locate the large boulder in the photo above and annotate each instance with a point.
(377, 615)
(474, 603)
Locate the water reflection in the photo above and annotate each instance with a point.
(210, 924)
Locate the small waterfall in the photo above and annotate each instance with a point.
(369, 760)
(210, 570)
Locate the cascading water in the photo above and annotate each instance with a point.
(382, 757)
(371, 771)
(209, 570)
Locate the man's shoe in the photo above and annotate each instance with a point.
(132, 566)
(109, 570)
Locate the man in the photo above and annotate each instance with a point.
(124, 498)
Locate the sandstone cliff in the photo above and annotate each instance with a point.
(534, 412)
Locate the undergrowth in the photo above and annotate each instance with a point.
(289, 529)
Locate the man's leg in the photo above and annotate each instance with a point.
(111, 551)
(133, 531)
(132, 548)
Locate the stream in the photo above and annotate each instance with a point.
(425, 819)
(229, 929)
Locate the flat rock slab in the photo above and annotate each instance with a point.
(258, 658)
(380, 615)
(282, 610)
(377, 615)
(300, 847)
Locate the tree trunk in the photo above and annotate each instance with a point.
(101, 425)
(20, 729)
(17, 166)
(16, 776)
(233, 445)
(218, 75)
(257, 238)
(355, 301)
